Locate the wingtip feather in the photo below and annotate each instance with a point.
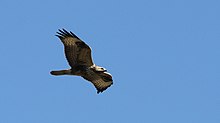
(103, 89)
(64, 33)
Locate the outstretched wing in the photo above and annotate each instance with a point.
(101, 80)
(77, 52)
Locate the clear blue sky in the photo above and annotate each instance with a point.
(164, 56)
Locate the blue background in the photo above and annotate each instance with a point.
(163, 55)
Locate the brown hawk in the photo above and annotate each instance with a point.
(78, 55)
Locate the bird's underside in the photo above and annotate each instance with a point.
(78, 55)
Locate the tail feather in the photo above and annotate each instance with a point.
(61, 72)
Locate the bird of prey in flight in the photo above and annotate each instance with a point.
(78, 55)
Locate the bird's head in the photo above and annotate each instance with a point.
(99, 69)
(102, 69)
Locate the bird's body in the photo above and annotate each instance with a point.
(78, 55)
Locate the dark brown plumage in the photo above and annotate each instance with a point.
(78, 55)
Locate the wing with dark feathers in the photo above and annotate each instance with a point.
(101, 80)
(77, 52)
